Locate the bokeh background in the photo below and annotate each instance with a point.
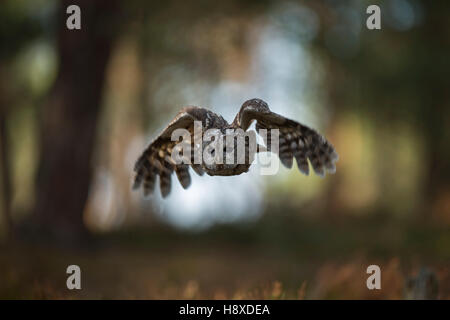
(77, 108)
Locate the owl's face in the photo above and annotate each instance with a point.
(228, 155)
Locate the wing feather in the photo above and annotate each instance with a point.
(156, 159)
(295, 141)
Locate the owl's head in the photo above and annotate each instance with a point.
(244, 117)
(257, 105)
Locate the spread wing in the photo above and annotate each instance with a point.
(295, 139)
(156, 158)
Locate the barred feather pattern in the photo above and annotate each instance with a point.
(156, 160)
(295, 141)
(302, 143)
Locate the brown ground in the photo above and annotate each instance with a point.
(260, 261)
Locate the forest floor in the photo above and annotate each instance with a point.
(266, 260)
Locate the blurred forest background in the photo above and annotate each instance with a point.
(77, 107)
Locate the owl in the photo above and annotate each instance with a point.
(294, 141)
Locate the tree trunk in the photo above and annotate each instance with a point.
(69, 119)
(436, 113)
(5, 171)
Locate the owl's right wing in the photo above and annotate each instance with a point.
(300, 142)
(156, 158)
(295, 139)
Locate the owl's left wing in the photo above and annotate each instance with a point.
(295, 139)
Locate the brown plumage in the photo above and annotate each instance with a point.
(295, 141)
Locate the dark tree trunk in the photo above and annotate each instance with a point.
(436, 110)
(5, 171)
(69, 119)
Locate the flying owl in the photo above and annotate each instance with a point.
(294, 140)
